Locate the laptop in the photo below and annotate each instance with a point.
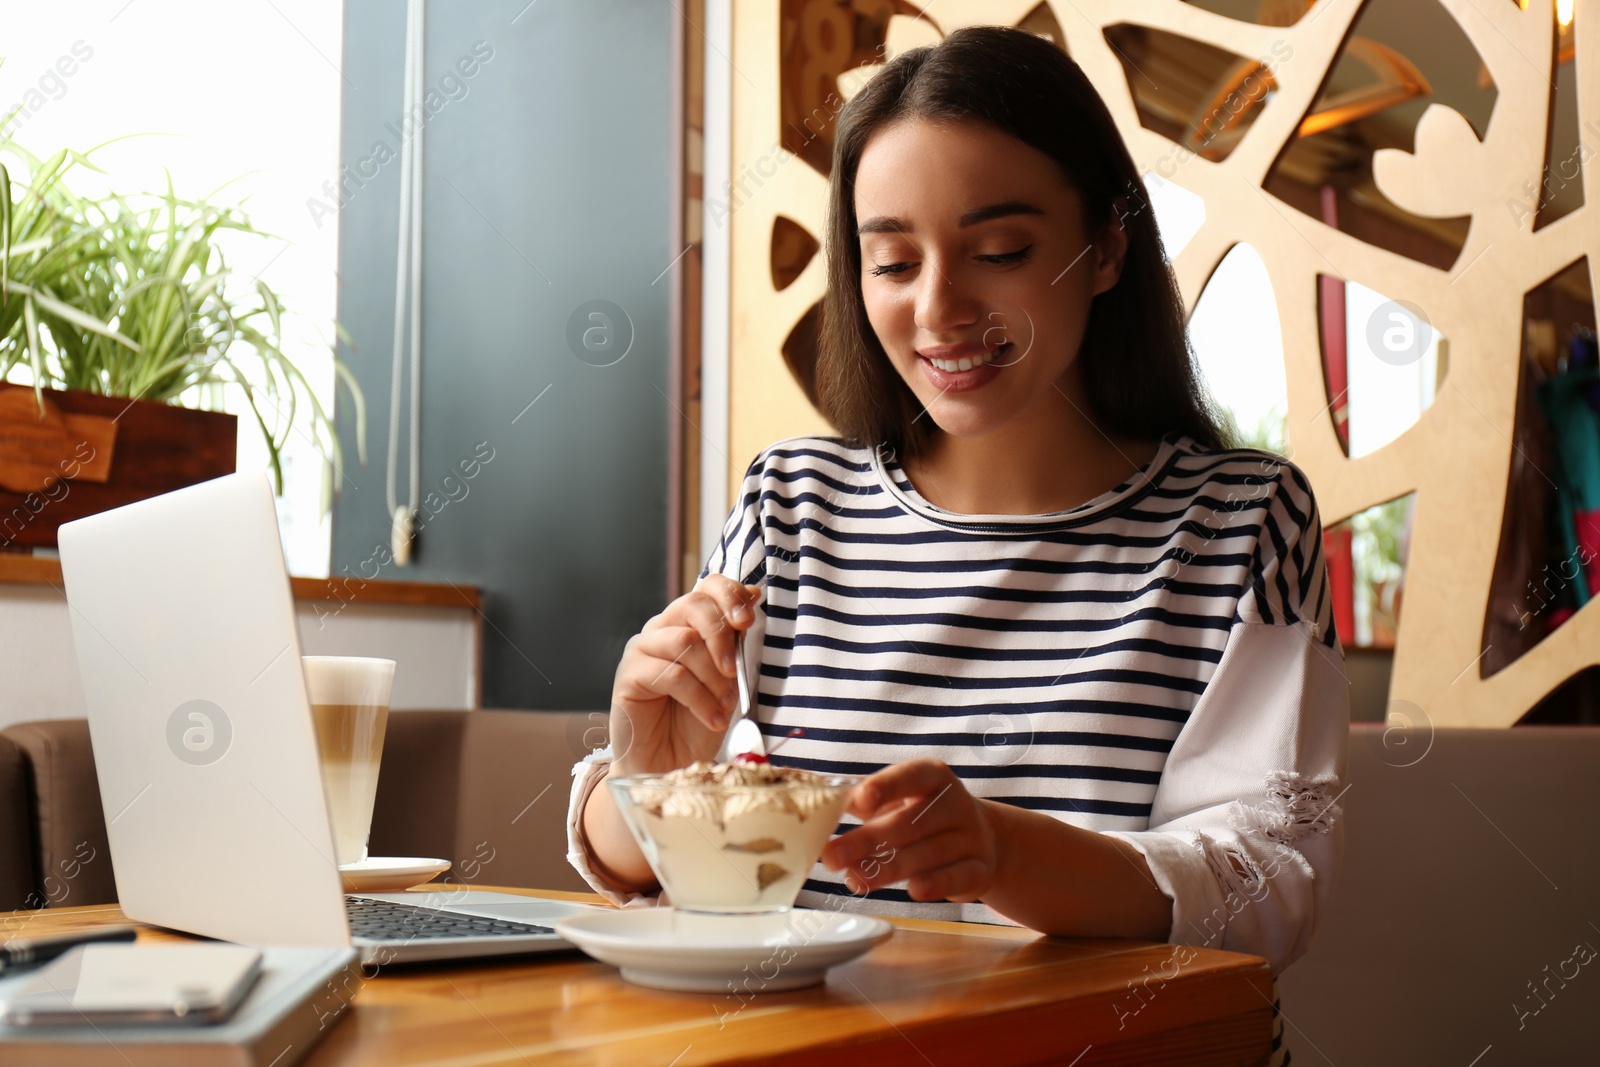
(218, 824)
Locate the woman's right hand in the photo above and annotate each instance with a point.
(675, 689)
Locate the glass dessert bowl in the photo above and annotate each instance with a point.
(734, 838)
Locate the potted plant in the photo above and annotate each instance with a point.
(118, 309)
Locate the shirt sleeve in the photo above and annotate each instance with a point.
(1245, 831)
(587, 774)
(740, 553)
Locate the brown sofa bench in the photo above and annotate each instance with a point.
(486, 790)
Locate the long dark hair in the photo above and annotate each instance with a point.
(1137, 368)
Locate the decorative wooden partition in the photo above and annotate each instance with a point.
(1457, 457)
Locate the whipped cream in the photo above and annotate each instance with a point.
(722, 792)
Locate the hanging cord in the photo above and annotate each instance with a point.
(409, 252)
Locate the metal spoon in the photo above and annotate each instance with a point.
(743, 734)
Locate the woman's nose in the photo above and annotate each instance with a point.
(945, 303)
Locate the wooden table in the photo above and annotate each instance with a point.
(935, 994)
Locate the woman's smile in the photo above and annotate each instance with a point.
(958, 368)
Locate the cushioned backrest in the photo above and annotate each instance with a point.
(486, 790)
(72, 861)
(511, 824)
(17, 860)
(1470, 876)
(418, 783)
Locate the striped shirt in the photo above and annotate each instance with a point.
(1075, 663)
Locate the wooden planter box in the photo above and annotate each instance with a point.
(89, 453)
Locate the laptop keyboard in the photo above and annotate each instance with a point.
(384, 920)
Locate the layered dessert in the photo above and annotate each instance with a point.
(738, 836)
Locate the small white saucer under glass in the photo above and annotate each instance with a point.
(390, 874)
(699, 952)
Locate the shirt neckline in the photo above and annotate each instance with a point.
(894, 480)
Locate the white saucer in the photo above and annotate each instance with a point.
(698, 953)
(389, 874)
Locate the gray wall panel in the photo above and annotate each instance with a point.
(547, 185)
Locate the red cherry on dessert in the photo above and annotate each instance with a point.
(749, 757)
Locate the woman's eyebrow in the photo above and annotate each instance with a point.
(890, 224)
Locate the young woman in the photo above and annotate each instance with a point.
(1082, 647)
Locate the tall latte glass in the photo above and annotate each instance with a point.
(350, 705)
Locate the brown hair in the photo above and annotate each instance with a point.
(1137, 368)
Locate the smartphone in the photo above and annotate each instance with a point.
(117, 984)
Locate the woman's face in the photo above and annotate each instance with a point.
(973, 249)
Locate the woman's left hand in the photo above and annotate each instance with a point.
(919, 826)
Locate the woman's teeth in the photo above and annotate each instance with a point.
(951, 366)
